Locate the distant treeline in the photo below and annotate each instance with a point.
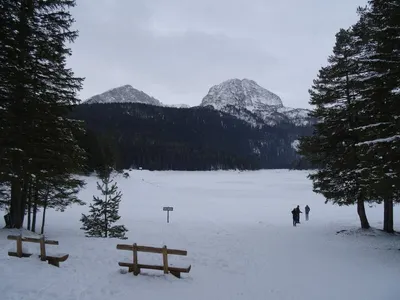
(164, 138)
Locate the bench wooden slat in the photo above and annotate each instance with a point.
(31, 240)
(55, 260)
(60, 258)
(153, 267)
(151, 249)
(10, 253)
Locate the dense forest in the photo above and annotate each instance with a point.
(165, 138)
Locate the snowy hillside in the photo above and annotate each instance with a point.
(124, 94)
(244, 98)
(237, 229)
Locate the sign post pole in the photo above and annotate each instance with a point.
(168, 209)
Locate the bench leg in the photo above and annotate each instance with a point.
(136, 272)
(176, 274)
(54, 263)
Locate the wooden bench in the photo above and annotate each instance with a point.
(51, 259)
(135, 267)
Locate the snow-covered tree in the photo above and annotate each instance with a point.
(356, 142)
(103, 211)
(332, 147)
(378, 33)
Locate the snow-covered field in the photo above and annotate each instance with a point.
(237, 229)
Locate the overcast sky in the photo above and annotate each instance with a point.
(175, 50)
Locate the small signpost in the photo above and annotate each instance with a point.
(168, 209)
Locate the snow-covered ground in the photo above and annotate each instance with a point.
(237, 229)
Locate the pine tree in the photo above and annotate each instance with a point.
(104, 210)
(37, 91)
(332, 147)
(378, 32)
(15, 85)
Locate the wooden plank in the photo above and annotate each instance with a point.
(177, 252)
(153, 267)
(31, 240)
(10, 253)
(60, 258)
(19, 246)
(55, 260)
(165, 259)
(42, 249)
(151, 249)
(12, 237)
(183, 270)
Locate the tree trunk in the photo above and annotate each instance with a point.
(362, 214)
(35, 204)
(24, 197)
(28, 225)
(16, 192)
(105, 220)
(44, 217)
(15, 207)
(29, 200)
(105, 213)
(105, 223)
(388, 215)
(44, 210)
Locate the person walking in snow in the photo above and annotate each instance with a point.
(298, 212)
(294, 214)
(307, 211)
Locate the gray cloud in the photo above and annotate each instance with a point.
(175, 50)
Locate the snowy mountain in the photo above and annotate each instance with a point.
(248, 101)
(124, 94)
(244, 99)
(242, 94)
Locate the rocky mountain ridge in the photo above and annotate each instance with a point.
(124, 94)
(243, 99)
(248, 101)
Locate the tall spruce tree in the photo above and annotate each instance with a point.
(378, 33)
(104, 210)
(332, 147)
(37, 91)
(15, 87)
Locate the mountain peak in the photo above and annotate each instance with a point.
(124, 94)
(241, 93)
(246, 100)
